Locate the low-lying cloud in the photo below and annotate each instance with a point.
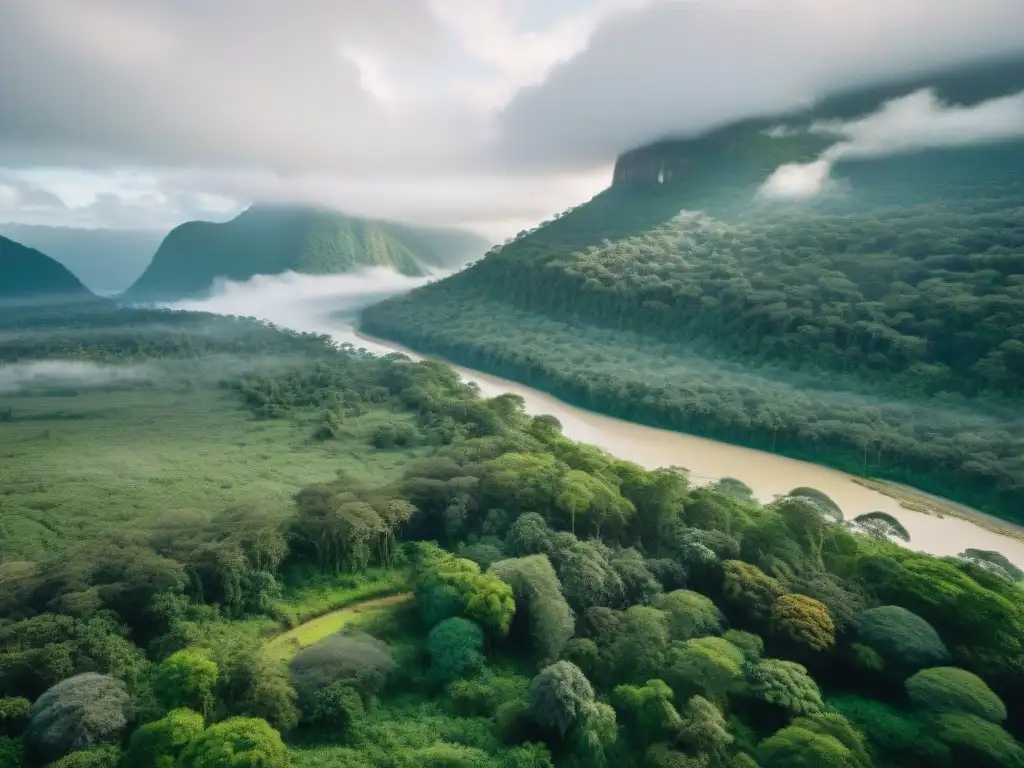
(42, 374)
(915, 122)
(310, 303)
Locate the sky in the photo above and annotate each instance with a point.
(485, 114)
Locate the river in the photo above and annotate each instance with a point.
(707, 460)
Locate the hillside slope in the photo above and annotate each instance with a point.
(270, 240)
(876, 327)
(105, 260)
(28, 274)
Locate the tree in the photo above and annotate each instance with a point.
(690, 614)
(239, 742)
(953, 690)
(882, 526)
(639, 584)
(751, 645)
(903, 639)
(449, 586)
(637, 649)
(703, 728)
(750, 589)
(804, 621)
(705, 666)
(186, 679)
(595, 731)
(557, 696)
(784, 684)
(838, 727)
(81, 712)
(901, 738)
(357, 659)
(844, 599)
(106, 756)
(455, 647)
(336, 707)
(647, 710)
(529, 535)
(585, 573)
(158, 744)
(253, 685)
(975, 741)
(582, 495)
(798, 747)
(14, 714)
(538, 596)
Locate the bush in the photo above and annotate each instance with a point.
(978, 743)
(96, 757)
(691, 614)
(185, 680)
(750, 644)
(14, 713)
(557, 696)
(805, 621)
(238, 741)
(903, 639)
(953, 690)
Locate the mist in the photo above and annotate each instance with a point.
(310, 303)
(22, 377)
(911, 123)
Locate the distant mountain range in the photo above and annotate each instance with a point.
(273, 239)
(107, 261)
(25, 273)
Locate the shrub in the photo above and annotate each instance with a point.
(949, 689)
(902, 638)
(78, 713)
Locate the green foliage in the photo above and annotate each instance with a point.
(750, 589)
(12, 752)
(94, 757)
(705, 666)
(558, 695)
(538, 596)
(158, 744)
(893, 736)
(784, 684)
(751, 645)
(690, 614)
(882, 525)
(447, 586)
(77, 713)
(704, 730)
(186, 679)
(902, 638)
(948, 689)
(455, 646)
(357, 659)
(976, 741)
(647, 710)
(239, 742)
(636, 650)
(798, 747)
(804, 621)
(336, 707)
(14, 714)
(252, 684)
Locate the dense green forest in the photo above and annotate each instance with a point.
(268, 240)
(25, 272)
(877, 329)
(466, 586)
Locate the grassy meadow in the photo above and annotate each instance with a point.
(74, 466)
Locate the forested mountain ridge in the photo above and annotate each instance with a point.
(273, 239)
(105, 260)
(865, 327)
(26, 273)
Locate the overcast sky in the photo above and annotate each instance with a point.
(491, 114)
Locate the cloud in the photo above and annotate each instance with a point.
(20, 196)
(681, 68)
(479, 112)
(911, 123)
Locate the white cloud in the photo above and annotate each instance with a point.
(914, 122)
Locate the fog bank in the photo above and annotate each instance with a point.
(19, 377)
(312, 303)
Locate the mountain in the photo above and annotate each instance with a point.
(273, 239)
(876, 327)
(28, 274)
(106, 260)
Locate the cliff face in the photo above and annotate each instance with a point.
(659, 163)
